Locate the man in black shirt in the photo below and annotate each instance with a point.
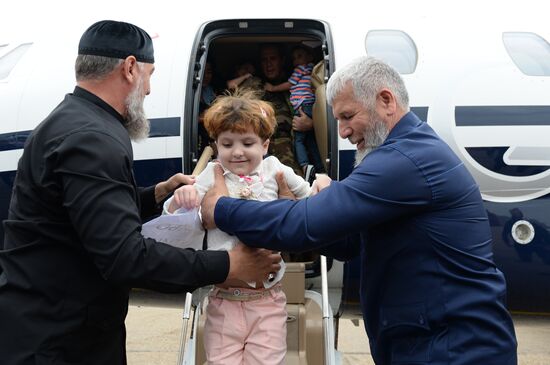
(73, 246)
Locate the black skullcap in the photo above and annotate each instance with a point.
(114, 39)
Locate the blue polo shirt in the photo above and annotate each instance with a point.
(430, 291)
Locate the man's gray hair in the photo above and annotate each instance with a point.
(89, 67)
(368, 76)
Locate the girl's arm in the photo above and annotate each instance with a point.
(233, 83)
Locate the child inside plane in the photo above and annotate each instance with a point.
(246, 322)
(244, 77)
(302, 99)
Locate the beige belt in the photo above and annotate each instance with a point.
(244, 296)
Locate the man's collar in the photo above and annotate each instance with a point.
(404, 124)
(92, 98)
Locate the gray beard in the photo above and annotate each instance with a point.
(136, 122)
(374, 135)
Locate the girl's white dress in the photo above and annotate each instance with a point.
(259, 185)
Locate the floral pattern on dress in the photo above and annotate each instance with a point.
(245, 186)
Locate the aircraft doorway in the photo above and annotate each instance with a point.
(222, 49)
(223, 52)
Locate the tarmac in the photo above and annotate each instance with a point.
(154, 327)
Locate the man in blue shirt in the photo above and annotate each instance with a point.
(430, 291)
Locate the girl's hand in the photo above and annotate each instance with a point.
(184, 197)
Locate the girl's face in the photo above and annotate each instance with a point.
(300, 57)
(241, 153)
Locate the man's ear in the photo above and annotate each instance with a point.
(265, 146)
(386, 102)
(130, 69)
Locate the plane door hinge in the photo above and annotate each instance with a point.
(197, 68)
(326, 60)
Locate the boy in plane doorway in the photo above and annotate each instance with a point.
(302, 98)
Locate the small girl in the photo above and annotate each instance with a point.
(244, 77)
(246, 322)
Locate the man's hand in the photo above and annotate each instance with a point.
(284, 190)
(252, 264)
(164, 188)
(302, 123)
(321, 181)
(209, 201)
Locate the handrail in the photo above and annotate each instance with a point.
(203, 160)
(183, 336)
(327, 325)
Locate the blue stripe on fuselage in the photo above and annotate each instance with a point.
(421, 112)
(502, 115)
(492, 159)
(13, 140)
(160, 127)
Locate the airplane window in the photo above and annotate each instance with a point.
(529, 51)
(394, 47)
(10, 59)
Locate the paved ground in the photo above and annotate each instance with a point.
(153, 335)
